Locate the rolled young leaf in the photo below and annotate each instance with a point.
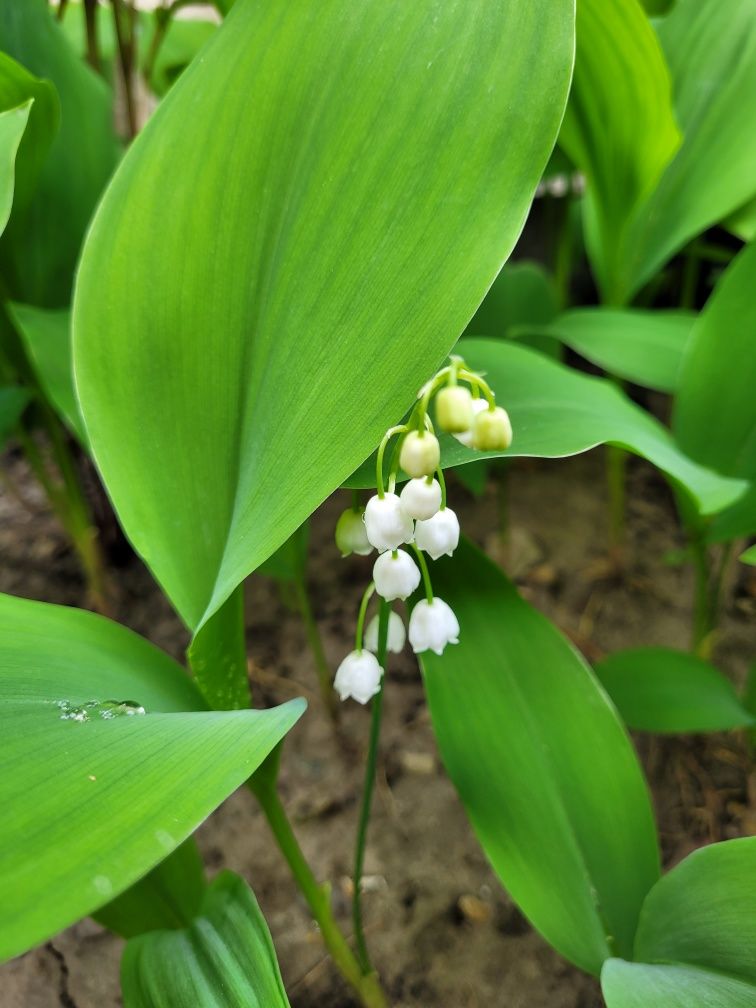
(289, 248)
(224, 959)
(542, 764)
(108, 763)
(619, 127)
(13, 401)
(662, 690)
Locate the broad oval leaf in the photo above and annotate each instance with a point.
(290, 247)
(224, 959)
(557, 411)
(94, 793)
(12, 125)
(715, 409)
(663, 690)
(645, 347)
(542, 764)
(638, 985)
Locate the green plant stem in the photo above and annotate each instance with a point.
(316, 647)
(90, 24)
(317, 896)
(424, 571)
(702, 628)
(125, 38)
(163, 17)
(367, 795)
(218, 656)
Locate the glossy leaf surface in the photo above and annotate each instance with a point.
(662, 690)
(276, 286)
(225, 959)
(638, 985)
(715, 409)
(529, 738)
(94, 792)
(639, 346)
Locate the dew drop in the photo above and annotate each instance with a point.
(102, 884)
(104, 709)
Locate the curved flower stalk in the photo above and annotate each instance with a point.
(418, 517)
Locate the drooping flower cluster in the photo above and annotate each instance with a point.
(418, 517)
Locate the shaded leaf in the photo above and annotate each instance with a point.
(276, 287)
(662, 690)
(41, 245)
(167, 897)
(645, 347)
(735, 521)
(225, 959)
(46, 335)
(749, 557)
(542, 764)
(95, 793)
(13, 401)
(715, 410)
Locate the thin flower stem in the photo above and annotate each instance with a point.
(442, 482)
(367, 795)
(368, 594)
(424, 571)
(317, 896)
(379, 484)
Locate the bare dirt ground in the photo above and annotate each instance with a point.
(441, 928)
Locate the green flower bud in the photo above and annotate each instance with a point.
(420, 454)
(492, 430)
(351, 534)
(454, 412)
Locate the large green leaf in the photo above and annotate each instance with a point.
(662, 690)
(715, 409)
(640, 346)
(637, 985)
(41, 246)
(46, 335)
(556, 411)
(276, 286)
(749, 556)
(619, 127)
(698, 932)
(735, 521)
(94, 793)
(225, 959)
(542, 764)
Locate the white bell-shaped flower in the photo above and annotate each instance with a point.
(454, 412)
(358, 676)
(351, 535)
(396, 575)
(466, 437)
(420, 453)
(438, 535)
(420, 498)
(387, 525)
(397, 635)
(432, 626)
(492, 430)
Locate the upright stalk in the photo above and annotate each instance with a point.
(616, 467)
(123, 25)
(90, 23)
(217, 657)
(367, 797)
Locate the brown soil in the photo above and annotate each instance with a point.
(441, 929)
